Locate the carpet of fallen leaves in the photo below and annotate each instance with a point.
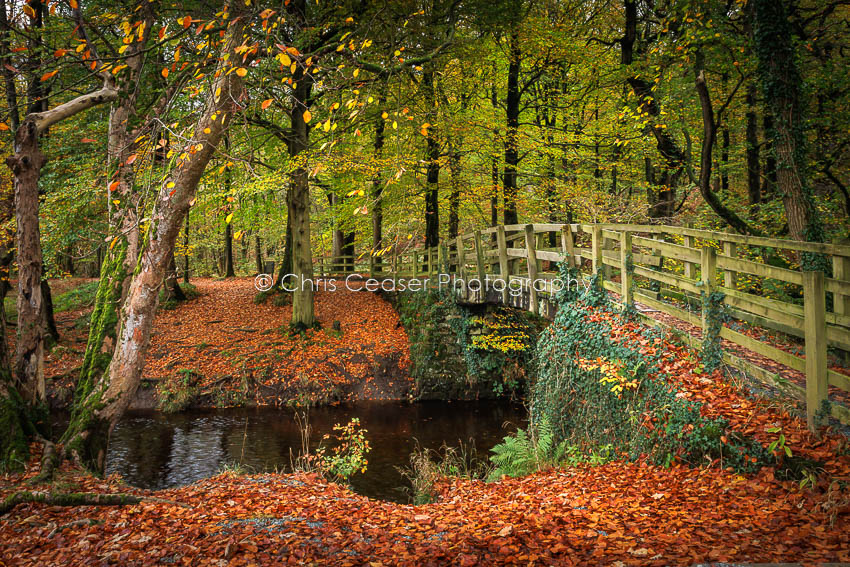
(226, 338)
(632, 513)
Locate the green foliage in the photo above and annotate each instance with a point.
(348, 451)
(494, 350)
(715, 311)
(526, 452)
(597, 392)
(79, 297)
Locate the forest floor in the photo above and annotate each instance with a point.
(628, 513)
(231, 351)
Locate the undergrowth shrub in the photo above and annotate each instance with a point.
(595, 392)
(177, 393)
(428, 467)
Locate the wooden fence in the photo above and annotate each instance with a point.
(667, 269)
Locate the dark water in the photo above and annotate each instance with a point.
(153, 450)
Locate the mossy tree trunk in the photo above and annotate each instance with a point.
(22, 393)
(102, 400)
(782, 84)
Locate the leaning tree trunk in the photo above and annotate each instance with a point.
(102, 401)
(122, 250)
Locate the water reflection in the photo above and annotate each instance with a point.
(153, 450)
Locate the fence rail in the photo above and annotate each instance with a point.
(657, 265)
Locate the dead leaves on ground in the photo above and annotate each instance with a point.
(223, 333)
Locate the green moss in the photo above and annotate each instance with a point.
(14, 437)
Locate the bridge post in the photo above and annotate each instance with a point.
(479, 261)
(568, 245)
(625, 270)
(690, 242)
(815, 326)
(841, 271)
(504, 265)
(596, 248)
(730, 277)
(395, 270)
(461, 259)
(708, 275)
(607, 245)
(532, 268)
(415, 255)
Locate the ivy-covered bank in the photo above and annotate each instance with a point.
(466, 352)
(594, 391)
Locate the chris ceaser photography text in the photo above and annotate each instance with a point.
(356, 282)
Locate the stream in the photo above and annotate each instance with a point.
(155, 450)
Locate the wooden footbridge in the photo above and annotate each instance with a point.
(663, 269)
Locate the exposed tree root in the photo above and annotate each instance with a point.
(50, 459)
(78, 499)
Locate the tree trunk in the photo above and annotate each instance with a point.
(29, 357)
(769, 183)
(512, 102)
(8, 73)
(228, 251)
(709, 137)
(102, 401)
(228, 228)
(49, 318)
(782, 84)
(172, 288)
(432, 156)
(378, 186)
(661, 197)
(298, 208)
(186, 251)
(753, 162)
(258, 254)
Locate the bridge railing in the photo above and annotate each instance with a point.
(670, 270)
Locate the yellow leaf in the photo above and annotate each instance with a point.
(3, 126)
(123, 48)
(229, 218)
(241, 71)
(327, 125)
(395, 125)
(307, 116)
(285, 60)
